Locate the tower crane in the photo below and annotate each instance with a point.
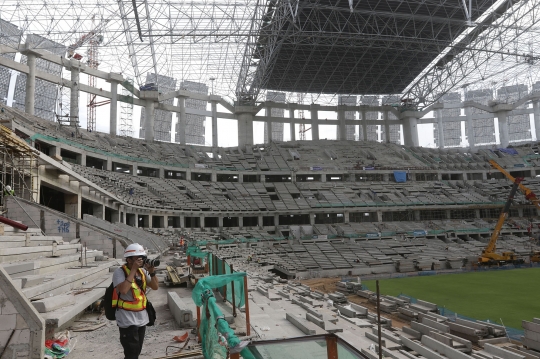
(93, 39)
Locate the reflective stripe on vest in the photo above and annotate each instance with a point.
(139, 298)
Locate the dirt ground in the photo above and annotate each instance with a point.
(328, 285)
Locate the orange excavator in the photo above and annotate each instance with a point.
(488, 256)
(529, 195)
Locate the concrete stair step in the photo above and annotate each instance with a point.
(69, 279)
(24, 253)
(44, 266)
(17, 241)
(63, 317)
(10, 230)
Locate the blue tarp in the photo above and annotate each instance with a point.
(400, 176)
(510, 151)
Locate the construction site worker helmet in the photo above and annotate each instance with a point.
(133, 250)
(8, 188)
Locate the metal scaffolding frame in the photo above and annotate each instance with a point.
(19, 166)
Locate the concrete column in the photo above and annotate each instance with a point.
(149, 120)
(29, 100)
(379, 216)
(276, 220)
(213, 176)
(502, 117)
(182, 221)
(342, 130)
(74, 97)
(448, 214)
(109, 165)
(410, 131)
(323, 176)
(240, 178)
(81, 159)
(73, 205)
(536, 112)
(293, 128)
(260, 221)
(181, 120)
(312, 219)
(262, 178)
(386, 125)
(114, 109)
(201, 221)
(240, 222)
(440, 127)
(220, 221)
(346, 217)
(314, 122)
(214, 124)
(469, 129)
(476, 213)
(161, 172)
(98, 211)
(364, 126)
(268, 124)
(245, 125)
(417, 215)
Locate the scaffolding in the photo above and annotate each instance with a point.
(126, 109)
(19, 166)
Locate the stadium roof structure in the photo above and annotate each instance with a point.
(418, 49)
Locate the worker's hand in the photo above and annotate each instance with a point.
(149, 268)
(136, 264)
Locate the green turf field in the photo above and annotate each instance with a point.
(513, 295)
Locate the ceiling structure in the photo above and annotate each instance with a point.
(418, 49)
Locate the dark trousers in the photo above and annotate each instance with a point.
(132, 339)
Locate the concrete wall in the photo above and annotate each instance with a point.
(21, 327)
(56, 224)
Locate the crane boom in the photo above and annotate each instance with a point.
(492, 245)
(529, 195)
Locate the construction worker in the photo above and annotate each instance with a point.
(8, 191)
(131, 281)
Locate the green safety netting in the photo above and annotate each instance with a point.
(213, 325)
(196, 252)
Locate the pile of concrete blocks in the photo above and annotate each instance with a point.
(531, 339)
(348, 287)
(337, 297)
(422, 306)
(405, 265)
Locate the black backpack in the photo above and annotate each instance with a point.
(110, 312)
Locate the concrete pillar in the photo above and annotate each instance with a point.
(260, 221)
(469, 129)
(342, 129)
(161, 172)
(220, 221)
(245, 125)
(74, 97)
(379, 216)
(440, 127)
(502, 117)
(323, 177)
(182, 221)
(98, 211)
(346, 217)
(276, 220)
(448, 214)
(73, 205)
(314, 122)
(109, 165)
(364, 126)
(476, 213)
(536, 112)
(293, 128)
(417, 215)
(268, 124)
(29, 100)
(240, 222)
(201, 221)
(115, 216)
(181, 133)
(213, 176)
(150, 221)
(312, 219)
(214, 124)
(386, 125)
(410, 131)
(114, 108)
(81, 159)
(149, 120)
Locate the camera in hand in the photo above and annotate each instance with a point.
(152, 262)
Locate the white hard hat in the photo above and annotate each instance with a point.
(134, 249)
(8, 188)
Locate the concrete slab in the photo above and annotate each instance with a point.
(53, 303)
(305, 326)
(443, 349)
(420, 349)
(501, 352)
(183, 316)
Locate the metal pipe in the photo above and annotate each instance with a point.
(246, 304)
(13, 224)
(379, 319)
(233, 296)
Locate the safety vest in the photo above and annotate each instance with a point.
(139, 297)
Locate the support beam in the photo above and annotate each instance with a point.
(314, 122)
(214, 125)
(74, 97)
(29, 100)
(440, 127)
(181, 129)
(342, 129)
(410, 131)
(502, 118)
(469, 129)
(114, 109)
(292, 126)
(364, 125)
(149, 120)
(536, 112)
(245, 125)
(268, 124)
